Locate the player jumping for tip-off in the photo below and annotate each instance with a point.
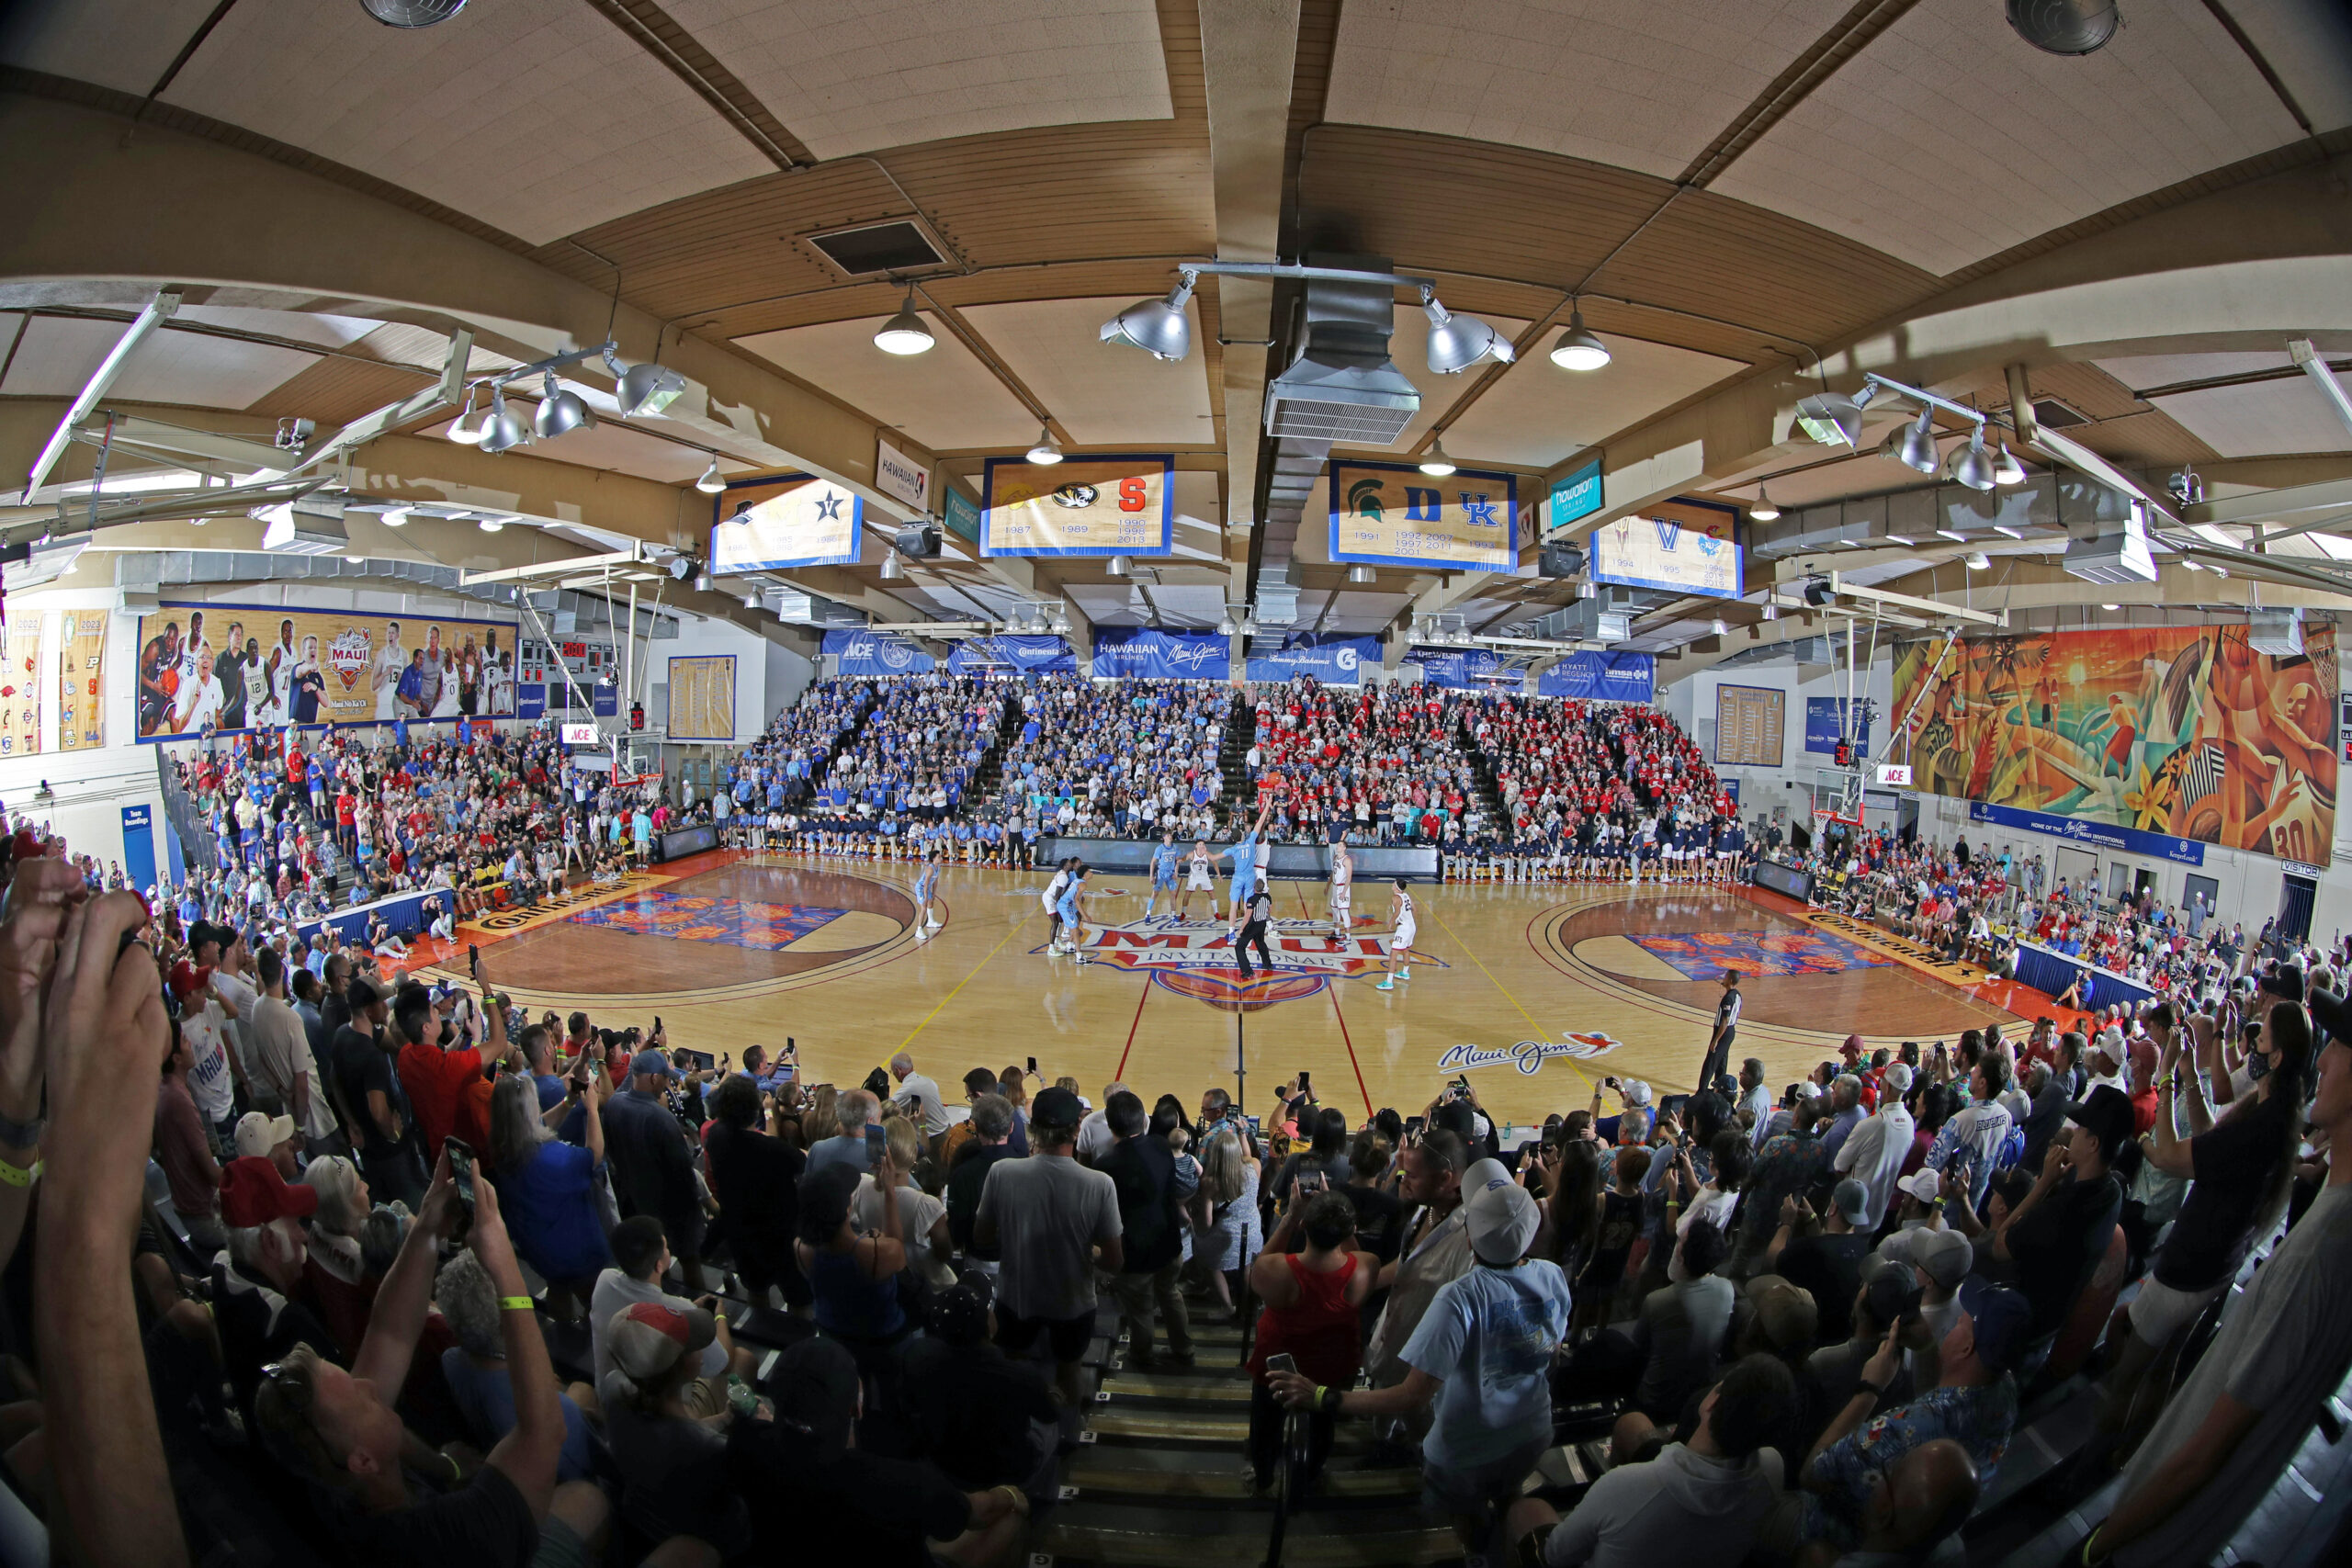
(1165, 857)
(1400, 946)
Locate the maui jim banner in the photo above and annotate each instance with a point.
(784, 521)
(1121, 505)
(1160, 656)
(1013, 651)
(1658, 552)
(1527, 1056)
(1393, 514)
(876, 653)
(2130, 840)
(254, 666)
(1601, 677)
(1334, 660)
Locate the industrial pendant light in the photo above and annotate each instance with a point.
(1763, 511)
(561, 412)
(904, 334)
(710, 483)
(502, 428)
(465, 430)
(1159, 327)
(1578, 349)
(1437, 463)
(2007, 469)
(1918, 449)
(1048, 451)
(1974, 467)
(1457, 343)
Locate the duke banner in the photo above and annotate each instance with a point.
(864, 653)
(1601, 677)
(1393, 514)
(1152, 655)
(1335, 661)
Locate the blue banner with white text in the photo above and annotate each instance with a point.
(1333, 660)
(2076, 830)
(1009, 651)
(1822, 717)
(1602, 678)
(531, 700)
(1465, 670)
(1148, 654)
(864, 653)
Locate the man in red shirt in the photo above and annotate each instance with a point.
(434, 1077)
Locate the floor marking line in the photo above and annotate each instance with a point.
(1120, 1073)
(1331, 988)
(963, 981)
(1505, 991)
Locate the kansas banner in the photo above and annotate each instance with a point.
(1657, 552)
(1393, 514)
(1152, 655)
(81, 680)
(1086, 506)
(1601, 677)
(2184, 732)
(1335, 661)
(253, 666)
(20, 687)
(876, 653)
(1013, 651)
(784, 521)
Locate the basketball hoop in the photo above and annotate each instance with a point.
(1821, 821)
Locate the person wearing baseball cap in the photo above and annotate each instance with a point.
(652, 1163)
(1047, 1216)
(2057, 1234)
(1481, 1354)
(675, 1478)
(260, 1302)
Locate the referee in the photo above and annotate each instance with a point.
(1261, 909)
(1718, 1058)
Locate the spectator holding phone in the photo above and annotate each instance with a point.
(551, 1186)
(1310, 1324)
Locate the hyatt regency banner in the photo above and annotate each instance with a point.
(1393, 514)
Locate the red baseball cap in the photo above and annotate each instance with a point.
(254, 1193)
(189, 978)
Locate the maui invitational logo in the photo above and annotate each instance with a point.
(349, 655)
(1195, 958)
(1528, 1055)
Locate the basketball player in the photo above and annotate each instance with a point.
(1717, 1060)
(159, 679)
(384, 676)
(1164, 858)
(255, 672)
(1343, 879)
(926, 884)
(1072, 909)
(281, 667)
(1246, 869)
(309, 683)
(196, 674)
(1200, 876)
(1400, 946)
(1053, 901)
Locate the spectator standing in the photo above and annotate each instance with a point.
(1875, 1151)
(184, 1152)
(1047, 1214)
(991, 1123)
(551, 1188)
(1142, 1169)
(1435, 1252)
(1313, 1299)
(371, 1089)
(918, 1096)
(755, 1176)
(281, 1058)
(653, 1169)
(2056, 1235)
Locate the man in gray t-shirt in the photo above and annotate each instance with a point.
(1045, 1216)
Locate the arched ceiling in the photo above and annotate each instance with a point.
(1747, 198)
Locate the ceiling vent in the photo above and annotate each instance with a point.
(881, 250)
(2117, 554)
(2051, 414)
(1342, 388)
(2278, 633)
(310, 527)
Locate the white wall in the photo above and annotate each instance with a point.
(751, 652)
(1692, 703)
(789, 675)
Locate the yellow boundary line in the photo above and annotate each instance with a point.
(963, 981)
(1506, 990)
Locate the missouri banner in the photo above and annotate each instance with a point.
(1086, 506)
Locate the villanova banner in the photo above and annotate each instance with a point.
(873, 653)
(1601, 677)
(1155, 655)
(1463, 669)
(1335, 661)
(1009, 651)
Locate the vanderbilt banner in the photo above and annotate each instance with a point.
(253, 666)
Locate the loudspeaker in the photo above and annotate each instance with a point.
(1559, 558)
(1816, 591)
(918, 541)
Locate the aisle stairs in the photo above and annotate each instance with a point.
(1240, 795)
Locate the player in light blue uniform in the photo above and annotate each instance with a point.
(926, 886)
(1165, 859)
(1244, 854)
(1073, 930)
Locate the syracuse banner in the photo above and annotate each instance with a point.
(81, 680)
(1601, 677)
(876, 653)
(1335, 661)
(2184, 732)
(249, 666)
(1154, 655)
(1393, 514)
(1042, 652)
(1658, 552)
(1121, 505)
(784, 520)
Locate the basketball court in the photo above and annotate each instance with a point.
(1533, 991)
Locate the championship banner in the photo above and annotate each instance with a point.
(1029, 651)
(702, 697)
(1335, 661)
(1601, 677)
(1658, 552)
(21, 688)
(784, 521)
(1122, 505)
(864, 653)
(81, 680)
(259, 666)
(1150, 655)
(2184, 732)
(1393, 514)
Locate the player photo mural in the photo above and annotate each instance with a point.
(245, 667)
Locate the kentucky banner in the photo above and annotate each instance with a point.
(1601, 677)
(1086, 506)
(20, 686)
(1393, 514)
(1657, 552)
(1463, 668)
(1335, 661)
(1152, 655)
(876, 653)
(784, 521)
(1011, 652)
(2184, 732)
(81, 680)
(250, 666)
(1822, 717)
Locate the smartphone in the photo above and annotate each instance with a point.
(876, 1140)
(1310, 1181)
(473, 960)
(1282, 1362)
(1033, 1066)
(461, 1175)
(1304, 1086)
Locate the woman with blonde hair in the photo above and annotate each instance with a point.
(922, 1218)
(1229, 1239)
(334, 1266)
(821, 1119)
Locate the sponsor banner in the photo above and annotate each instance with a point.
(1658, 552)
(1040, 652)
(1527, 1056)
(1393, 514)
(961, 514)
(1575, 494)
(1335, 661)
(531, 702)
(1895, 775)
(1122, 505)
(876, 653)
(20, 687)
(898, 475)
(581, 734)
(1601, 677)
(308, 667)
(784, 521)
(1152, 655)
(81, 680)
(2177, 733)
(1823, 715)
(2076, 830)
(1463, 669)
(702, 697)
(606, 701)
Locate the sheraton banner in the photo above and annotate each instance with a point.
(1148, 654)
(783, 521)
(253, 666)
(1122, 505)
(1393, 514)
(1465, 670)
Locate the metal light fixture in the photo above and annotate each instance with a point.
(1771, 610)
(1437, 462)
(561, 412)
(395, 517)
(643, 390)
(1918, 449)
(502, 428)
(1061, 622)
(1718, 626)
(1578, 349)
(710, 483)
(893, 567)
(1224, 626)
(702, 583)
(1048, 451)
(904, 334)
(1763, 511)
(1973, 466)
(2007, 469)
(1978, 560)
(491, 525)
(2065, 27)
(1117, 565)
(412, 13)
(1362, 576)
(2110, 607)
(461, 431)
(751, 601)
(1159, 327)
(1833, 419)
(1457, 343)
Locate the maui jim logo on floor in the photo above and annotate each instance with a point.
(509, 918)
(1527, 1056)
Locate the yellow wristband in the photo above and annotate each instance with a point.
(516, 1303)
(719, 1316)
(14, 1177)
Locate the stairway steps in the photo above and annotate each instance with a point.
(1194, 1475)
(1313, 1540)
(1175, 1386)
(1194, 1427)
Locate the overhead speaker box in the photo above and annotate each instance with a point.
(1559, 558)
(2278, 633)
(919, 541)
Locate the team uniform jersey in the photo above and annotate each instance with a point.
(1203, 876)
(1406, 927)
(257, 680)
(390, 662)
(1163, 866)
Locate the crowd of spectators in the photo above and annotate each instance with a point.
(1118, 759)
(1373, 765)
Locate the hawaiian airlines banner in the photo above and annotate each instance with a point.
(876, 653)
(2184, 732)
(1393, 514)
(1657, 552)
(1042, 652)
(784, 521)
(253, 666)
(1601, 677)
(1332, 660)
(1122, 505)
(1152, 655)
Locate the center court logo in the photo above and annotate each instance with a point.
(1195, 958)
(1527, 1056)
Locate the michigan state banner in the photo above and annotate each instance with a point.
(1393, 514)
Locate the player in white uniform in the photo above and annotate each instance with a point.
(1400, 946)
(255, 675)
(1052, 899)
(283, 661)
(1200, 876)
(497, 685)
(1343, 887)
(385, 679)
(196, 673)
